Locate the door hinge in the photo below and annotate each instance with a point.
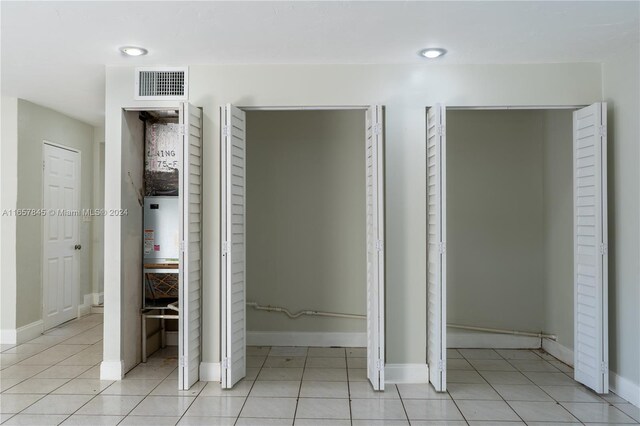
(603, 249)
(225, 247)
(225, 363)
(181, 362)
(440, 129)
(440, 365)
(42, 164)
(442, 247)
(181, 129)
(602, 131)
(379, 245)
(377, 129)
(379, 365)
(604, 368)
(226, 131)
(182, 246)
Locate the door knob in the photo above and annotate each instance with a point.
(77, 247)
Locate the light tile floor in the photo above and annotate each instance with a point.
(54, 379)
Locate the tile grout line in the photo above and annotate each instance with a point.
(252, 385)
(346, 360)
(304, 367)
(538, 386)
(402, 402)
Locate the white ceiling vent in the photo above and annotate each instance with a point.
(162, 83)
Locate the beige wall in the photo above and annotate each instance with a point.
(557, 132)
(36, 124)
(8, 199)
(495, 238)
(405, 90)
(306, 218)
(621, 89)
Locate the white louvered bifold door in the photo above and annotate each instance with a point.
(591, 348)
(375, 245)
(232, 234)
(190, 317)
(436, 244)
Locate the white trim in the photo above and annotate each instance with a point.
(306, 338)
(209, 371)
(406, 373)
(29, 331)
(98, 298)
(306, 108)
(477, 339)
(558, 351)
(112, 370)
(85, 307)
(624, 388)
(8, 337)
(515, 107)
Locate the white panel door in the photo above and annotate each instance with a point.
(591, 348)
(436, 244)
(232, 236)
(61, 192)
(375, 245)
(189, 329)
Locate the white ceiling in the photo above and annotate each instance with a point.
(53, 53)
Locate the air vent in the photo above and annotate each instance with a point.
(162, 83)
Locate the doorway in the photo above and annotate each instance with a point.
(585, 222)
(61, 236)
(233, 242)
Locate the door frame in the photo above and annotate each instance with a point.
(76, 261)
(574, 107)
(285, 108)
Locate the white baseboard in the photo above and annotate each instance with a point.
(22, 334)
(172, 338)
(30, 331)
(406, 373)
(209, 371)
(624, 388)
(558, 350)
(8, 336)
(111, 370)
(85, 307)
(311, 338)
(479, 339)
(97, 298)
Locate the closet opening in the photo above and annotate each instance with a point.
(302, 268)
(517, 241)
(162, 238)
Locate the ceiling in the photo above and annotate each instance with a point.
(54, 53)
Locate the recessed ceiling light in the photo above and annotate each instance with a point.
(433, 52)
(133, 51)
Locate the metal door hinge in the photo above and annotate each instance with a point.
(441, 129)
(442, 247)
(604, 249)
(379, 245)
(440, 365)
(42, 164)
(182, 246)
(225, 247)
(604, 368)
(181, 362)
(602, 131)
(378, 364)
(226, 131)
(181, 129)
(377, 129)
(225, 363)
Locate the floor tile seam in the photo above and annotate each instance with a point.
(496, 391)
(253, 383)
